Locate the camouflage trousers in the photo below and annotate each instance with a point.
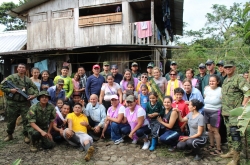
(35, 136)
(230, 122)
(13, 111)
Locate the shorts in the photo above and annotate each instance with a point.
(78, 138)
(212, 117)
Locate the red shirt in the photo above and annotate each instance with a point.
(183, 108)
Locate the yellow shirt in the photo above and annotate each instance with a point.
(76, 120)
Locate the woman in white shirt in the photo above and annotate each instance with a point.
(212, 113)
(109, 89)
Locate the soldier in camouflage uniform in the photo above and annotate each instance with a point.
(41, 117)
(18, 105)
(233, 90)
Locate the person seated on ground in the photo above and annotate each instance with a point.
(41, 117)
(180, 104)
(108, 89)
(154, 109)
(76, 99)
(60, 123)
(113, 121)
(135, 115)
(76, 133)
(197, 137)
(57, 92)
(129, 91)
(170, 129)
(96, 114)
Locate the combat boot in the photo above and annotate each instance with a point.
(236, 157)
(33, 148)
(26, 139)
(229, 154)
(8, 138)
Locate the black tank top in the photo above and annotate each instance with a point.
(166, 119)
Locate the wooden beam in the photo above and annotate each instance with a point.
(152, 21)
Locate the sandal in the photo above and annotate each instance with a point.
(216, 152)
(209, 148)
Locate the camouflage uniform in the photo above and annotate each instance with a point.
(42, 118)
(105, 74)
(233, 90)
(18, 105)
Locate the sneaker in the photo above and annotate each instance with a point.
(197, 157)
(119, 141)
(26, 139)
(146, 145)
(171, 149)
(134, 141)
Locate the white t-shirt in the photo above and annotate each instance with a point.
(108, 91)
(120, 110)
(212, 98)
(140, 112)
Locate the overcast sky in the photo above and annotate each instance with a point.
(194, 11)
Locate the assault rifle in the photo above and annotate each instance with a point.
(10, 85)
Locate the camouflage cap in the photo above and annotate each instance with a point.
(173, 63)
(106, 63)
(202, 65)
(130, 98)
(60, 81)
(221, 62)
(229, 63)
(134, 64)
(150, 65)
(209, 62)
(43, 93)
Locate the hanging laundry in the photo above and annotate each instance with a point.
(143, 33)
(52, 66)
(42, 65)
(144, 25)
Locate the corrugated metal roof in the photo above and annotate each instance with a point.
(13, 40)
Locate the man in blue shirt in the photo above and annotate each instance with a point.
(94, 82)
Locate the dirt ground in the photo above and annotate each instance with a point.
(106, 153)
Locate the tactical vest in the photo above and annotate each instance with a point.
(21, 84)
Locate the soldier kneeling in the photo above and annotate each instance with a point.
(41, 117)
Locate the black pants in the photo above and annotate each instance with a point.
(223, 130)
(195, 144)
(106, 104)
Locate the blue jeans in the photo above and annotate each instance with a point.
(142, 132)
(118, 129)
(170, 137)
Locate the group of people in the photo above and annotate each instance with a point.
(176, 109)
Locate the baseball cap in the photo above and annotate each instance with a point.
(134, 63)
(150, 65)
(202, 65)
(229, 63)
(173, 62)
(114, 66)
(221, 62)
(60, 81)
(105, 63)
(130, 98)
(209, 62)
(96, 66)
(114, 97)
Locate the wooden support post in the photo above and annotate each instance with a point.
(152, 21)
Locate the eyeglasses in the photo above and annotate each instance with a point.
(144, 77)
(228, 67)
(172, 74)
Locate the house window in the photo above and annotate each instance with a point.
(101, 15)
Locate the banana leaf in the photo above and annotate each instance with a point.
(17, 162)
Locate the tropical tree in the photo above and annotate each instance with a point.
(247, 25)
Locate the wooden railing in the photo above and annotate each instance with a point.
(150, 40)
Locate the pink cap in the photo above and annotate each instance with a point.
(114, 97)
(96, 66)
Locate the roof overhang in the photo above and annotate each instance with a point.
(101, 49)
(21, 10)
